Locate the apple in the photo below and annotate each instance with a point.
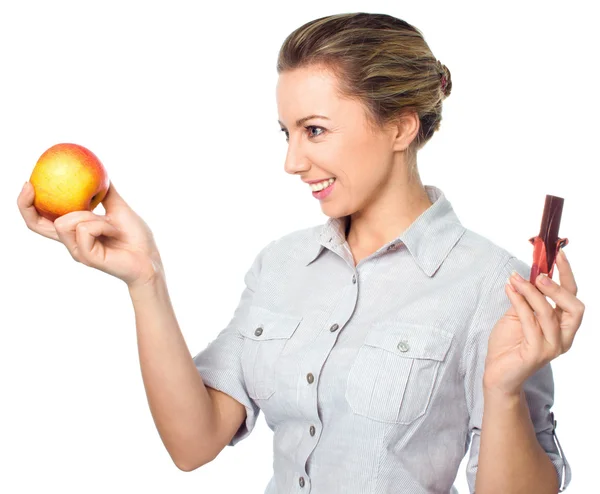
(68, 177)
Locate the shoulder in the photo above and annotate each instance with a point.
(295, 245)
(489, 270)
(489, 259)
(302, 237)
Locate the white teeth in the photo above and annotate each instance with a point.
(322, 185)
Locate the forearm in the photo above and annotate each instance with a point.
(179, 402)
(511, 459)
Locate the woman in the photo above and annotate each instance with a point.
(380, 345)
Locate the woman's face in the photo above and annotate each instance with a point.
(339, 144)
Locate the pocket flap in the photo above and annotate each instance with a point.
(273, 325)
(410, 340)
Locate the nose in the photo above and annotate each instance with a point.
(295, 161)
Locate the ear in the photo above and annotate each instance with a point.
(405, 130)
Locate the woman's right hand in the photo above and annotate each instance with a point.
(119, 243)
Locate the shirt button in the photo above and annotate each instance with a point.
(310, 378)
(403, 346)
(312, 430)
(333, 328)
(353, 278)
(258, 331)
(301, 481)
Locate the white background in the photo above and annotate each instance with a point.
(178, 101)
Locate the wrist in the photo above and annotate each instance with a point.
(492, 393)
(146, 286)
(151, 269)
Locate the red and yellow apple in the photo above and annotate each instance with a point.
(68, 177)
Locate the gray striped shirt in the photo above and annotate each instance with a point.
(371, 376)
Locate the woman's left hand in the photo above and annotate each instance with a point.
(523, 341)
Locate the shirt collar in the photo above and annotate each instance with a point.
(429, 238)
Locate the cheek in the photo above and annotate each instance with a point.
(360, 176)
(355, 166)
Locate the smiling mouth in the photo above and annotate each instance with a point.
(323, 184)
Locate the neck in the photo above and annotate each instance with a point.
(390, 216)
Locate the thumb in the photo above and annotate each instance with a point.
(112, 199)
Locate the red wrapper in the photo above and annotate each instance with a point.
(547, 244)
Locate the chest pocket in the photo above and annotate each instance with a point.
(265, 336)
(395, 371)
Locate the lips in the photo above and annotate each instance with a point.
(323, 193)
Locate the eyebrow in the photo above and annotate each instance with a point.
(300, 121)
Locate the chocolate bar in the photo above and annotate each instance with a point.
(547, 244)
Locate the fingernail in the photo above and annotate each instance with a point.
(543, 279)
(562, 253)
(24, 185)
(515, 285)
(516, 276)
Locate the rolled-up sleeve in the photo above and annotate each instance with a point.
(219, 363)
(539, 388)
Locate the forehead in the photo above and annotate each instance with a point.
(304, 91)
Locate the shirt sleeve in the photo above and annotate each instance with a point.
(539, 388)
(219, 363)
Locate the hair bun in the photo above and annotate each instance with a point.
(445, 79)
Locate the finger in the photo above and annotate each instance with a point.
(91, 251)
(569, 309)
(532, 333)
(34, 221)
(65, 228)
(564, 298)
(530, 299)
(566, 277)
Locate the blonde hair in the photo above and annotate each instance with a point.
(379, 60)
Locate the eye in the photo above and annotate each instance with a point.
(308, 127)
